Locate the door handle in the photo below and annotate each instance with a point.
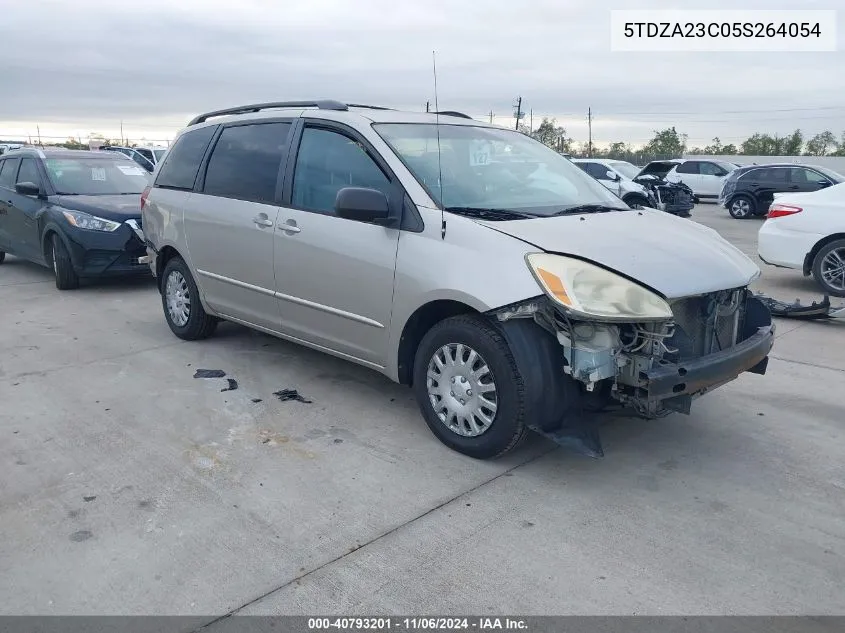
(290, 227)
(262, 220)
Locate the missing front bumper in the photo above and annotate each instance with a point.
(697, 375)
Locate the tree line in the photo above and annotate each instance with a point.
(669, 143)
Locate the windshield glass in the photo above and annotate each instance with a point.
(96, 176)
(626, 169)
(492, 168)
(159, 154)
(836, 176)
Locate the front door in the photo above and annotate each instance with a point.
(230, 219)
(8, 174)
(335, 276)
(23, 212)
(711, 179)
(803, 179)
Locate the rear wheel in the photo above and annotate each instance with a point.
(829, 268)
(183, 310)
(469, 389)
(742, 207)
(66, 277)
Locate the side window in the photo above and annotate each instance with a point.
(688, 167)
(711, 169)
(29, 172)
(145, 153)
(596, 170)
(9, 173)
(183, 161)
(802, 175)
(327, 162)
(245, 162)
(142, 161)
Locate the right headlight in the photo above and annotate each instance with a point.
(92, 222)
(593, 292)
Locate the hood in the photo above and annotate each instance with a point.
(118, 208)
(674, 256)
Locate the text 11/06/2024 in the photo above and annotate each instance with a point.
(723, 31)
(417, 624)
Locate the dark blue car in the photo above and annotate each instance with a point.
(76, 212)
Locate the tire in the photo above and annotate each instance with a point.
(742, 207)
(2, 257)
(635, 201)
(188, 319)
(831, 258)
(505, 428)
(66, 277)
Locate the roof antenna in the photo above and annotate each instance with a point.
(439, 167)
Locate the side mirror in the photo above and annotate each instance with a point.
(824, 183)
(612, 175)
(28, 189)
(362, 204)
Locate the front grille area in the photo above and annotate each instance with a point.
(706, 324)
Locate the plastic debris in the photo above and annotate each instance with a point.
(209, 373)
(797, 310)
(290, 394)
(233, 384)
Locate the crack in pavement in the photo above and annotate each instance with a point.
(373, 540)
(806, 364)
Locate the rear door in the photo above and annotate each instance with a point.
(24, 211)
(230, 220)
(8, 174)
(334, 276)
(768, 182)
(689, 174)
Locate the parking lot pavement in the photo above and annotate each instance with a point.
(130, 487)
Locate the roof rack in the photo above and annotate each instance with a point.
(322, 104)
(452, 113)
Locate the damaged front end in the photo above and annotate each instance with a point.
(654, 367)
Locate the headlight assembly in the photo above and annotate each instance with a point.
(92, 222)
(593, 292)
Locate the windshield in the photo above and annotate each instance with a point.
(159, 154)
(626, 169)
(96, 176)
(492, 168)
(835, 176)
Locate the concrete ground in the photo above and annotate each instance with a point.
(129, 487)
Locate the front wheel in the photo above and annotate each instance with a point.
(183, 310)
(636, 202)
(829, 268)
(469, 389)
(66, 277)
(742, 207)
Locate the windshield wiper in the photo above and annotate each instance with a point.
(590, 208)
(490, 214)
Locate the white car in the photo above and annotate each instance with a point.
(704, 177)
(806, 232)
(617, 176)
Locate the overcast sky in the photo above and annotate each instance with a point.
(83, 66)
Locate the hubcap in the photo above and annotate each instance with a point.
(741, 208)
(461, 390)
(833, 269)
(178, 298)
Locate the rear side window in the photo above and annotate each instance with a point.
(183, 162)
(8, 173)
(245, 162)
(689, 167)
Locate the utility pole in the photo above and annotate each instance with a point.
(427, 106)
(590, 132)
(531, 121)
(121, 133)
(491, 117)
(518, 107)
(38, 129)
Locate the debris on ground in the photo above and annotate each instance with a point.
(797, 310)
(290, 394)
(209, 373)
(233, 384)
(256, 400)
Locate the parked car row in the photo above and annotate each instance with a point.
(505, 286)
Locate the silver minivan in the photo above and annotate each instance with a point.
(507, 287)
